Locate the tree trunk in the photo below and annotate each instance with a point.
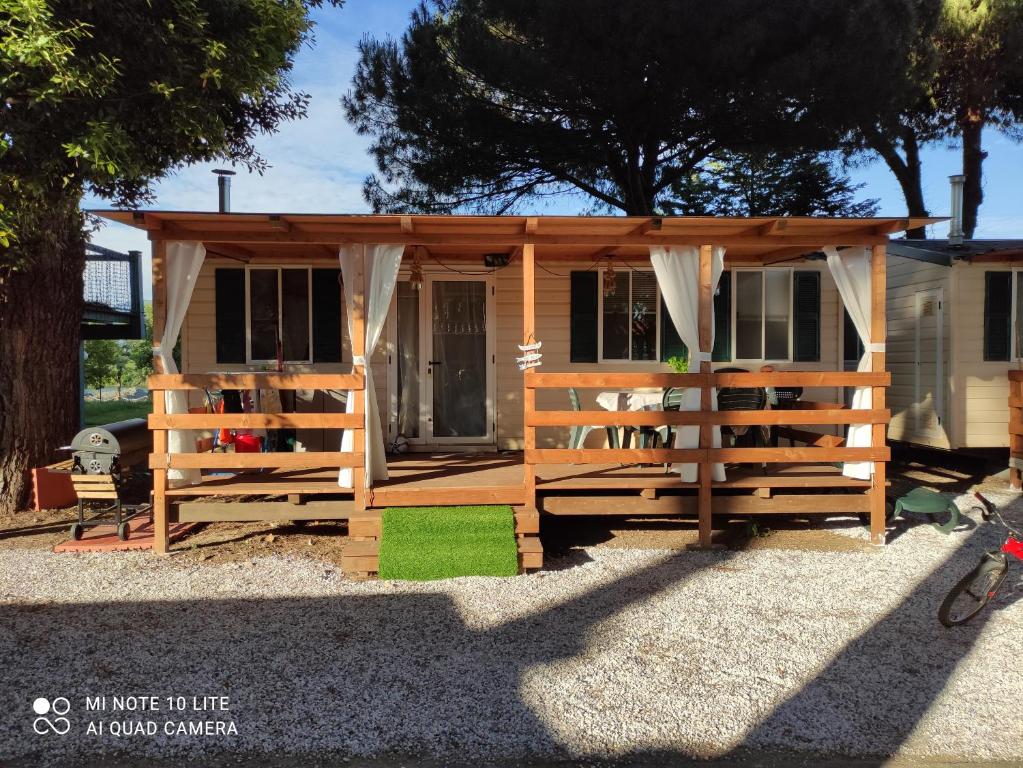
(907, 170)
(973, 160)
(40, 317)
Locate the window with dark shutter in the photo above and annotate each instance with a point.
(327, 317)
(229, 292)
(806, 316)
(583, 323)
(722, 352)
(997, 315)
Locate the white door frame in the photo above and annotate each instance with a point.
(426, 439)
(937, 296)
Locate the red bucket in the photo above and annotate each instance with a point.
(248, 444)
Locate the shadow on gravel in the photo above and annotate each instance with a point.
(403, 673)
(397, 673)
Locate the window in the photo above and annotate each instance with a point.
(763, 314)
(629, 317)
(279, 312)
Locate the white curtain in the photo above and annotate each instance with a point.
(380, 272)
(678, 276)
(850, 270)
(181, 271)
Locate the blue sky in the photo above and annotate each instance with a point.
(318, 164)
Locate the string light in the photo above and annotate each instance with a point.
(610, 283)
(416, 271)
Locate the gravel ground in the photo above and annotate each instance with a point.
(634, 654)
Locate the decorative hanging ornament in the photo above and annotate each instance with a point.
(610, 285)
(533, 356)
(416, 272)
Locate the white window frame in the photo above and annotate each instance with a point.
(600, 321)
(763, 308)
(249, 360)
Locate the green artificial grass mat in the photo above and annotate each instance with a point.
(424, 543)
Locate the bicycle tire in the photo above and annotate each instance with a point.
(981, 584)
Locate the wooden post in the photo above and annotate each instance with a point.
(528, 394)
(1015, 429)
(161, 538)
(706, 442)
(878, 334)
(358, 350)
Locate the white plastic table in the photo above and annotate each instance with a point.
(630, 400)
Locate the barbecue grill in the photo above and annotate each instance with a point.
(98, 456)
(107, 449)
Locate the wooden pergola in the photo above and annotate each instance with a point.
(748, 241)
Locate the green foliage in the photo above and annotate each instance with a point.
(767, 184)
(102, 357)
(679, 364)
(140, 351)
(108, 97)
(485, 103)
(966, 72)
(97, 412)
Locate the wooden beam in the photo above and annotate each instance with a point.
(532, 225)
(687, 418)
(261, 511)
(706, 326)
(878, 335)
(350, 381)
(490, 239)
(406, 225)
(279, 224)
(297, 460)
(358, 342)
(529, 395)
(161, 530)
(773, 227)
(889, 227)
(260, 421)
(662, 380)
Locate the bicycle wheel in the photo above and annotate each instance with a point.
(974, 591)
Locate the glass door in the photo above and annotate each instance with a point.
(441, 361)
(460, 356)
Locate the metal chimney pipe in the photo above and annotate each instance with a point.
(955, 226)
(223, 189)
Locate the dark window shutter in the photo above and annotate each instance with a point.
(806, 316)
(326, 316)
(671, 343)
(230, 311)
(722, 352)
(583, 344)
(997, 315)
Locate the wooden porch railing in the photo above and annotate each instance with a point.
(160, 422)
(1016, 430)
(704, 455)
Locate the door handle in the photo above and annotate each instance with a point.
(435, 362)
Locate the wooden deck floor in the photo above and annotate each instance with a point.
(497, 478)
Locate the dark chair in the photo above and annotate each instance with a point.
(787, 396)
(579, 433)
(744, 399)
(671, 401)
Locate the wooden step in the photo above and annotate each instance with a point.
(263, 511)
(362, 558)
(530, 553)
